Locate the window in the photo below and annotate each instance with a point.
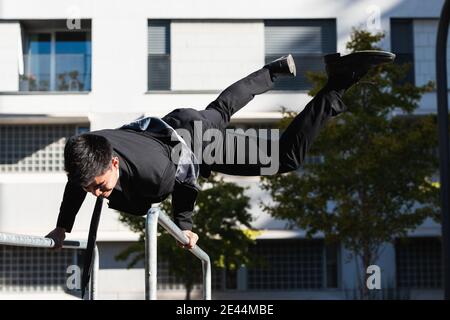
(402, 44)
(158, 55)
(33, 269)
(306, 40)
(34, 148)
(293, 264)
(55, 58)
(419, 263)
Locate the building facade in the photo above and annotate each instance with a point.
(68, 67)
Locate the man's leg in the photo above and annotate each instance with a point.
(236, 96)
(305, 127)
(240, 93)
(218, 113)
(295, 140)
(343, 72)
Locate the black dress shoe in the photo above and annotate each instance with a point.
(284, 66)
(344, 71)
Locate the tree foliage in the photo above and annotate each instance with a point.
(375, 181)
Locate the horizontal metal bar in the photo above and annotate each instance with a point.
(20, 240)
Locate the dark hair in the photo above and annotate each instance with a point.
(85, 157)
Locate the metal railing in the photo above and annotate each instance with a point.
(155, 216)
(19, 240)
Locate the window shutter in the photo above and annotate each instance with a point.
(402, 44)
(158, 55)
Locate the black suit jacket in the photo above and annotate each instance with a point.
(147, 175)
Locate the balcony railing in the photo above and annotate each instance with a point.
(59, 72)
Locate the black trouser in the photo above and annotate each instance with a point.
(293, 143)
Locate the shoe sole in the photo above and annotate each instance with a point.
(291, 65)
(370, 56)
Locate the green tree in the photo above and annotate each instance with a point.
(222, 221)
(374, 181)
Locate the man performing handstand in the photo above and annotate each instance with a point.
(134, 166)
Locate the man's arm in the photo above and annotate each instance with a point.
(72, 200)
(183, 202)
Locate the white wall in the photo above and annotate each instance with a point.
(263, 106)
(11, 55)
(350, 13)
(211, 56)
(29, 204)
(425, 33)
(119, 33)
